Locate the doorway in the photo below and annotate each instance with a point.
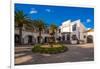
(89, 39)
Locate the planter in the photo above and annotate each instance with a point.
(49, 50)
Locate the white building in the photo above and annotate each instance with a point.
(69, 32)
(72, 32)
(90, 34)
(31, 37)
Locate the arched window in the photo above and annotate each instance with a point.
(89, 39)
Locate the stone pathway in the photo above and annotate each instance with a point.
(76, 53)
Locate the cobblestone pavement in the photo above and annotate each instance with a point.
(76, 53)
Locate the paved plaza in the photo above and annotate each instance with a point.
(76, 53)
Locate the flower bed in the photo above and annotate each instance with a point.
(58, 48)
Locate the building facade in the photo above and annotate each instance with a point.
(31, 37)
(72, 32)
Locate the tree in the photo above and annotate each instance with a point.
(40, 26)
(20, 19)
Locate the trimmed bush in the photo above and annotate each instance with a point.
(49, 50)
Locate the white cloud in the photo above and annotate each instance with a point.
(33, 10)
(88, 20)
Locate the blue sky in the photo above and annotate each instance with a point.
(58, 14)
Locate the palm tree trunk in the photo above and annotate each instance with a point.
(39, 36)
(20, 35)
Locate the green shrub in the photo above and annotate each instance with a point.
(50, 50)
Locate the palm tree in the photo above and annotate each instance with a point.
(40, 26)
(20, 19)
(52, 31)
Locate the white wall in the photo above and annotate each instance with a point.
(90, 33)
(66, 25)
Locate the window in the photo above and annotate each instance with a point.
(59, 30)
(68, 37)
(84, 36)
(74, 37)
(63, 37)
(74, 27)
